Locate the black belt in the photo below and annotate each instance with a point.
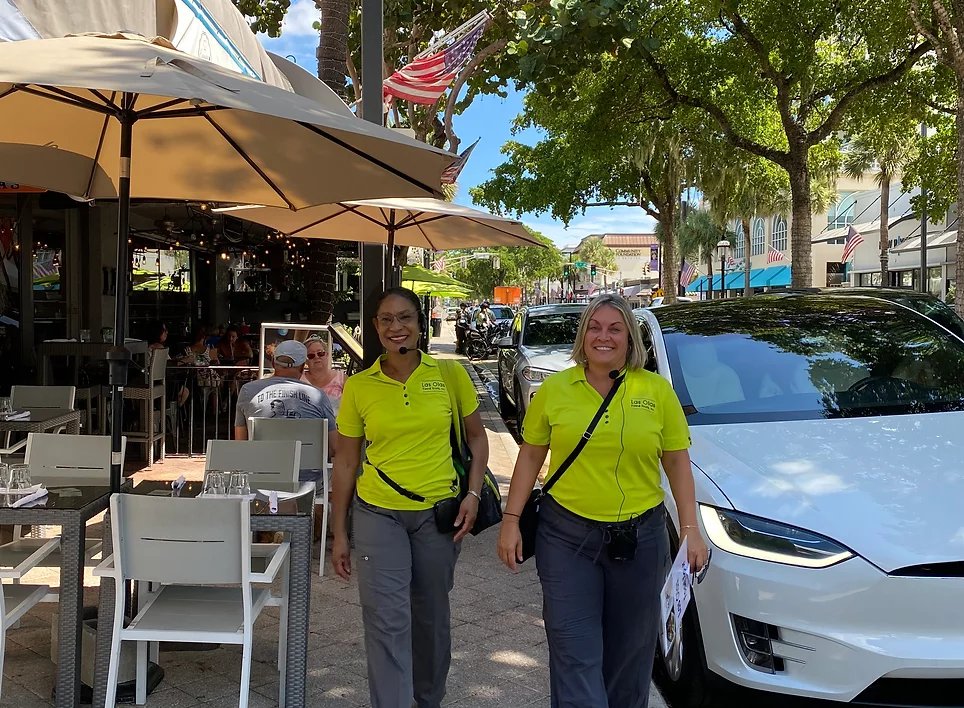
(594, 523)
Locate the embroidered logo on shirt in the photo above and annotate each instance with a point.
(647, 404)
(429, 386)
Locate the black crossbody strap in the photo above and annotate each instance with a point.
(398, 488)
(585, 436)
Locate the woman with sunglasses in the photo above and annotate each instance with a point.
(320, 374)
(407, 521)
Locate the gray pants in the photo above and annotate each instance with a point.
(406, 569)
(601, 616)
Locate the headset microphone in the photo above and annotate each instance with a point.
(403, 350)
(614, 374)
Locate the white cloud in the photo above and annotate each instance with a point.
(299, 18)
(612, 221)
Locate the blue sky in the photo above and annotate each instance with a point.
(489, 118)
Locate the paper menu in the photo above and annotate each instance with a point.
(673, 599)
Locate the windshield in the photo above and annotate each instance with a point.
(938, 311)
(810, 357)
(551, 329)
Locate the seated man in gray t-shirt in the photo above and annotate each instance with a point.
(284, 395)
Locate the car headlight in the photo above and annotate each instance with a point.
(753, 537)
(531, 373)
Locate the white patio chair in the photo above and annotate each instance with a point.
(154, 390)
(265, 461)
(187, 547)
(58, 458)
(313, 434)
(22, 397)
(15, 602)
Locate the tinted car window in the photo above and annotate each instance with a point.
(551, 328)
(502, 313)
(810, 357)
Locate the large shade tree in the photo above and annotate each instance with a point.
(776, 79)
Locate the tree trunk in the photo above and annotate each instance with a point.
(959, 269)
(748, 249)
(322, 267)
(884, 228)
(670, 268)
(333, 44)
(321, 272)
(801, 250)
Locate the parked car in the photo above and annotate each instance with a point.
(452, 314)
(658, 301)
(829, 477)
(503, 313)
(539, 343)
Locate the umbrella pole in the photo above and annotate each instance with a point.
(119, 356)
(390, 280)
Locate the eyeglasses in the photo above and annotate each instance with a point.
(320, 355)
(404, 319)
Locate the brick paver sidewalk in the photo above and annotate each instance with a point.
(499, 653)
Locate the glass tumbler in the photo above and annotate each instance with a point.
(19, 477)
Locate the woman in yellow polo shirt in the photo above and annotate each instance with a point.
(407, 521)
(601, 546)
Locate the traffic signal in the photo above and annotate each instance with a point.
(565, 270)
(592, 270)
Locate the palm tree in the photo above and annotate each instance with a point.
(332, 53)
(698, 237)
(886, 155)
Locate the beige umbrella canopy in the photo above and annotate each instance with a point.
(424, 223)
(122, 117)
(200, 132)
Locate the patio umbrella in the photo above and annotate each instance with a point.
(420, 222)
(412, 274)
(122, 117)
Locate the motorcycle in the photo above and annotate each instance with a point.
(484, 343)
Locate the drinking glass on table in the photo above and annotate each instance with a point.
(234, 486)
(214, 482)
(19, 477)
(245, 485)
(6, 405)
(4, 475)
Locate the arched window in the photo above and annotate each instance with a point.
(758, 238)
(739, 247)
(779, 240)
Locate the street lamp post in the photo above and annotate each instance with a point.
(721, 248)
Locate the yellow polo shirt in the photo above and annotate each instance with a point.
(407, 426)
(616, 476)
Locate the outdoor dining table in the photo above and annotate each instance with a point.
(69, 504)
(294, 516)
(79, 350)
(44, 420)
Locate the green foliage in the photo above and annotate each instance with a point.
(520, 266)
(698, 236)
(264, 15)
(934, 168)
(595, 252)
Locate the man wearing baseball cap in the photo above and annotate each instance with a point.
(284, 395)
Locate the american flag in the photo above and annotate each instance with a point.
(688, 274)
(774, 256)
(731, 262)
(854, 239)
(438, 265)
(425, 79)
(452, 172)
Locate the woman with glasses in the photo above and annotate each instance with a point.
(407, 520)
(601, 546)
(320, 374)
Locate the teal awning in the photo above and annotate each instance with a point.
(775, 276)
(698, 285)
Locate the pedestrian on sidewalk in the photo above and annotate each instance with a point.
(601, 546)
(408, 521)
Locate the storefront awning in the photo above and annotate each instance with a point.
(948, 238)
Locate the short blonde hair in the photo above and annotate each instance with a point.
(636, 356)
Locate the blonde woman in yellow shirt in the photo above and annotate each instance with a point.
(601, 547)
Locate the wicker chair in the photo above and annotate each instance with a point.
(154, 390)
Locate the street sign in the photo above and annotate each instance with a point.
(580, 264)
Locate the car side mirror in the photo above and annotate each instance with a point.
(506, 343)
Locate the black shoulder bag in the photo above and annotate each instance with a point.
(529, 518)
